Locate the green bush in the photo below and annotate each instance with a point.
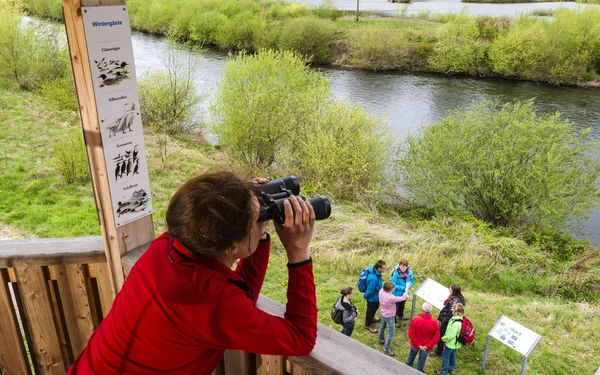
(262, 102)
(168, 98)
(50, 9)
(505, 166)
(69, 158)
(312, 38)
(327, 9)
(459, 48)
(241, 32)
(61, 92)
(356, 158)
(29, 54)
(275, 114)
(384, 48)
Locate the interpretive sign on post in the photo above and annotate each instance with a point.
(432, 292)
(514, 335)
(110, 52)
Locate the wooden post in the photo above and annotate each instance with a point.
(116, 241)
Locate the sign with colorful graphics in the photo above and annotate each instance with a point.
(512, 334)
(433, 292)
(110, 51)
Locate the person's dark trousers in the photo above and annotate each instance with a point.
(439, 349)
(348, 328)
(371, 310)
(422, 358)
(400, 309)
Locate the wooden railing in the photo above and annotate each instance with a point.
(55, 292)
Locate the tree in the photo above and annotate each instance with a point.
(504, 165)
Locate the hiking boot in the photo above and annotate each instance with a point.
(434, 354)
(387, 352)
(404, 318)
(381, 342)
(376, 320)
(439, 372)
(398, 325)
(372, 329)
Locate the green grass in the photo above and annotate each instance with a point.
(500, 275)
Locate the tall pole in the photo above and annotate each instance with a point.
(357, 5)
(119, 240)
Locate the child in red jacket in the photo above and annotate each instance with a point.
(182, 305)
(424, 333)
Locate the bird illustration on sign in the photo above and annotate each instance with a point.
(123, 123)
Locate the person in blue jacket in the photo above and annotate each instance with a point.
(404, 280)
(374, 283)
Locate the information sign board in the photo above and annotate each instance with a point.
(108, 37)
(433, 292)
(515, 335)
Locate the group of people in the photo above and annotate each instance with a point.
(425, 333)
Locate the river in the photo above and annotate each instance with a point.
(406, 100)
(444, 6)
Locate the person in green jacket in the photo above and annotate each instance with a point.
(450, 339)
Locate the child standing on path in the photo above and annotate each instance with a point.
(388, 312)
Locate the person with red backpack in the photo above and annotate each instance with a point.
(451, 340)
(446, 314)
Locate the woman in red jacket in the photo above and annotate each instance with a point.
(182, 304)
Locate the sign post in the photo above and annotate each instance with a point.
(99, 39)
(514, 335)
(432, 292)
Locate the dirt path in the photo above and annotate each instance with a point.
(8, 233)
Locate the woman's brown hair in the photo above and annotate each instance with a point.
(346, 291)
(211, 212)
(388, 286)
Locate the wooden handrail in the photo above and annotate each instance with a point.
(52, 251)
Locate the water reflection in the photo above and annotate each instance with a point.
(406, 100)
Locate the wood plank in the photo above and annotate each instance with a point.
(74, 295)
(93, 3)
(327, 358)
(60, 323)
(129, 259)
(136, 234)
(51, 251)
(44, 345)
(11, 275)
(298, 370)
(220, 370)
(13, 359)
(238, 362)
(92, 137)
(104, 287)
(271, 365)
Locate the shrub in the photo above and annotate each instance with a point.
(276, 115)
(168, 98)
(327, 9)
(312, 38)
(262, 101)
(29, 54)
(381, 49)
(61, 92)
(69, 158)
(505, 166)
(241, 32)
(355, 161)
(459, 48)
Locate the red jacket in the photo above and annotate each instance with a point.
(176, 315)
(424, 331)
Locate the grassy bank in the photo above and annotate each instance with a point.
(500, 274)
(562, 51)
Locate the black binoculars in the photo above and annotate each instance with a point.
(275, 192)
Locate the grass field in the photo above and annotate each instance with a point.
(500, 275)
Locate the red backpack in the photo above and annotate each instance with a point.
(467, 332)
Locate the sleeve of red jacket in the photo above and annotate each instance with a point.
(434, 339)
(243, 326)
(254, 268)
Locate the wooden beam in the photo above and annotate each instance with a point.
(51, 251)
(74, 295)
(104, 288)
(271, 365)
(116, 241)
(238, 362)
(13, 360)
(37, 311)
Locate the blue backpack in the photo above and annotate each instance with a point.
(362, 280)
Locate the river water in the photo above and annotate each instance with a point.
(444, 6)
(407, 101)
